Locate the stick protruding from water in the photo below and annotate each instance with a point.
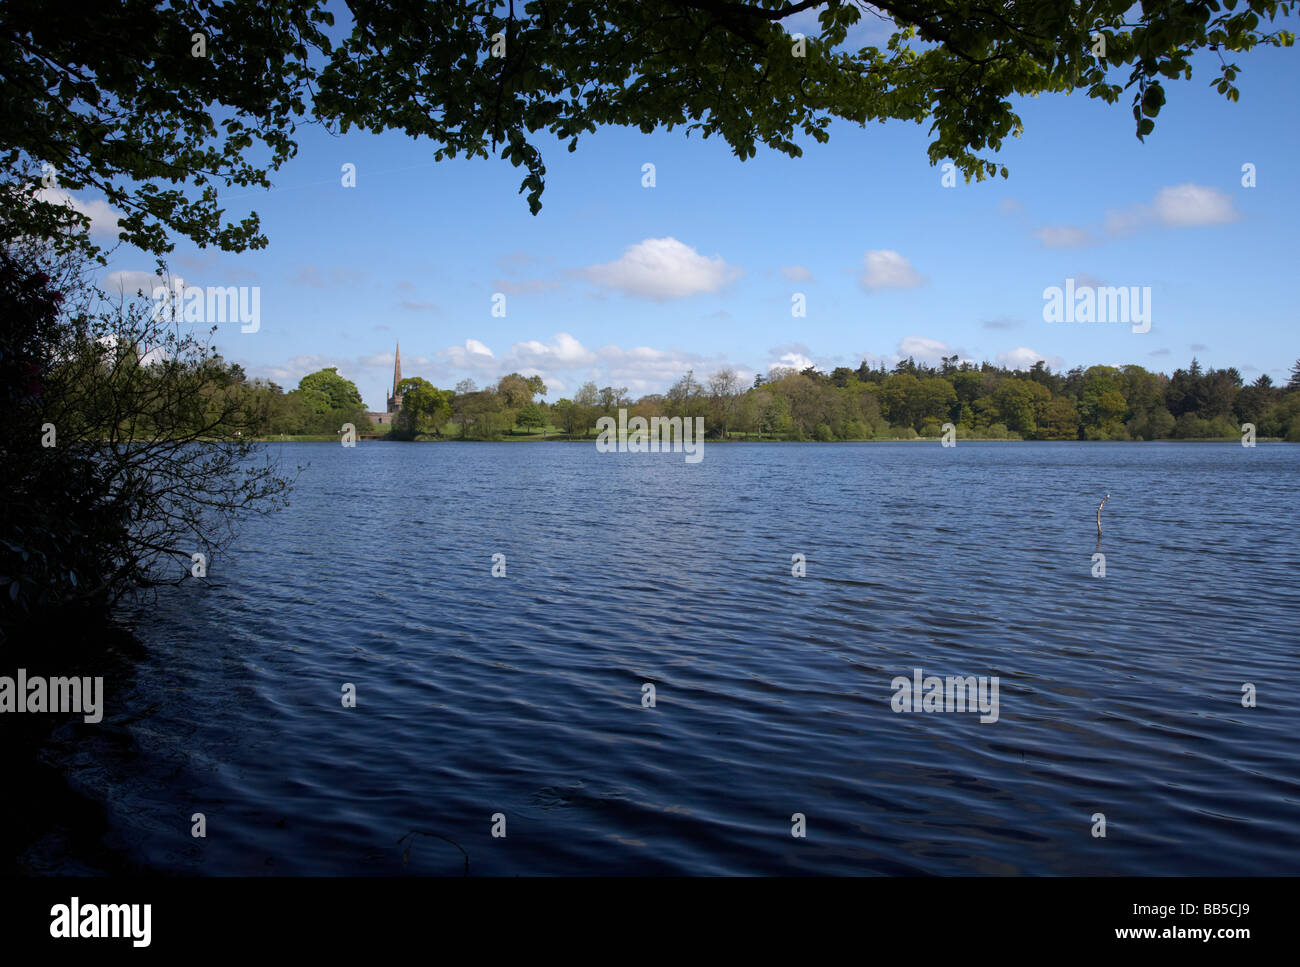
(1099, 507)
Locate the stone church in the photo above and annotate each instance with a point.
(394, 398)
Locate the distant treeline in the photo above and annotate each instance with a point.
(908, 401)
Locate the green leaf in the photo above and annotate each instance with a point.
(1152, 100)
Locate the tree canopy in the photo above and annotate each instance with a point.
(126, 448)
(424, 407)
(911, 400)
(158, 106)
(330, 391)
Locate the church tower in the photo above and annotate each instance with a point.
(395, 398)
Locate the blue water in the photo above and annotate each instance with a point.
(522, 695)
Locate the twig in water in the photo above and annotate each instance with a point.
(406, 855)
(1099, 507)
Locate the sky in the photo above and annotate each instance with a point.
(631, 286)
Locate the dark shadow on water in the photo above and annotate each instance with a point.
(49, 825)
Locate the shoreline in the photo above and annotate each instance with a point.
(320, 438)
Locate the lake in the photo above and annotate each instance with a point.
(522, 695)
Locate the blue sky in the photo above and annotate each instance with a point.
(631, 286)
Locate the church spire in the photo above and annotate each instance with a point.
(395, 398)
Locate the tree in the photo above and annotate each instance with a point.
(771, 412)
(481, 411)
(935, 398)
(424, 409)
(968, 385)
(1294, 383)
(685, 398)
(841, 375)
(585, 408)
(1018, 404)
(898, 398)
(1156, 423)
(123, 106)
(126, 449)
(131, 104)
(336, 392)
(1101, 403)
(1185, 393)
(658, 63)
(1143, 390)
(567, 414)
(611, 398)
(1060, 420)
(1220, 390)
(533, 417)
(326, 401)
(516, 390)
(724, 387)
(460, 401)
(1041, 373)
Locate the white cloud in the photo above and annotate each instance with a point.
(296, 368)
(792, 360)
(150, 356)
(796, 273)
(1183, 205)
(645, 370)
(926, 350)
(885, 269)
(129, 281)
(642, 369)
(1176, 206)
(1022, 357)
(562, 352)
(1124, 221)
(103, 217)
(521, 288)
(472, 355)
(662, 269)
(563, 363)
(1063, 236)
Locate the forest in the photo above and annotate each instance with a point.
(910, 401)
